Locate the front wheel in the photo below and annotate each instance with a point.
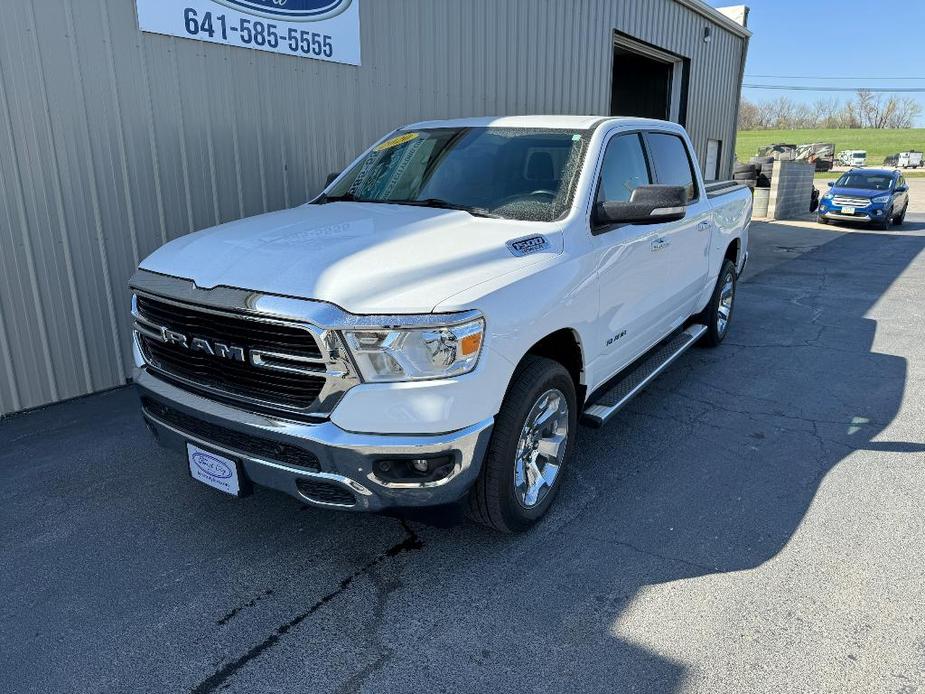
(885, 223)
(718, 314)
(533, 439)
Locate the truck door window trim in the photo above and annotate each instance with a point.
(653, 174)
(599, 174)
(690, 161)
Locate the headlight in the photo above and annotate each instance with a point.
(416, 354)
(881, 199)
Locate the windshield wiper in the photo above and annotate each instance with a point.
(441, 204)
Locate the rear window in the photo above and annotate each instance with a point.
(672, 163)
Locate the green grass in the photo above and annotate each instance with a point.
(877, 143)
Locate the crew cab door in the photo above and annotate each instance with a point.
(632, 265)
(688, 239)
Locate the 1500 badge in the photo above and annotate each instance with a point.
(528, 245)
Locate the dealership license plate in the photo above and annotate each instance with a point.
(215, 470)
(847, 210)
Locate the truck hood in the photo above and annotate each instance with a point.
(365, 258)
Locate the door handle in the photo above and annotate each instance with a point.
(703, 226)
(660, 244)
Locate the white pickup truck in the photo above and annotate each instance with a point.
(432, 328)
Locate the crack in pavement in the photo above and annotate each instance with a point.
(220, 677)
(384, 589)
(222, 621)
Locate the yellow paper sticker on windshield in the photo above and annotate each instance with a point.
(396, 141)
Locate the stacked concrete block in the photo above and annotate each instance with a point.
(791, 189)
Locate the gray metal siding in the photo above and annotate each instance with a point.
(113, 141)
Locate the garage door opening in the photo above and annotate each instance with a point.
(647, 82)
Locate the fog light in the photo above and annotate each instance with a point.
(415, 470)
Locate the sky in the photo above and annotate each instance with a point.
(813, 42)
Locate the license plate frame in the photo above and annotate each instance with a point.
(215, 470)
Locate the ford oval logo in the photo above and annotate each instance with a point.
(212, 466)
(290, 10)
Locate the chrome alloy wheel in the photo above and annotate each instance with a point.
(541, 448)
(724, 310)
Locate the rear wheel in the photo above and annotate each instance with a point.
(718, 314)
(532, 441)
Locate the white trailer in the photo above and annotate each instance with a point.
(852, 157)
(909, 160)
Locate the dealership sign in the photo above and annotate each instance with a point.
(321, 29)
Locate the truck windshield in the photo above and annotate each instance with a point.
(512, 173)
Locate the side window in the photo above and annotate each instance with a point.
(624, 169)
(672, 162)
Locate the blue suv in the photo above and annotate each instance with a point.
(873, 196)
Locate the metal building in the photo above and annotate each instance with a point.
(114, 140)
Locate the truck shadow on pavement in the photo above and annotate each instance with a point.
(127, 576)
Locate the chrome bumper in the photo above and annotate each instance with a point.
(848, 217)
(346, 460)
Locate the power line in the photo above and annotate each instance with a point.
(798, 88)
(829, 77)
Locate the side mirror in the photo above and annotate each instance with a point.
(902, 189)
(647, 205)
(331, 178)
(831, 184)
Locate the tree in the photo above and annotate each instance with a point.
(876, 112)
(866, 110)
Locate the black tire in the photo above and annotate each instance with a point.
(763, 181)
(902, 216)
(493, 501)
(884, 223)
(714, 335)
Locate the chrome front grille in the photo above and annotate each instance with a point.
(844, 201)
(268, 363)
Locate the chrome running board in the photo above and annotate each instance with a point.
(608, 403)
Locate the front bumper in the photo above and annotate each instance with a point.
(344, 460)
(873, 212)
(835, 216)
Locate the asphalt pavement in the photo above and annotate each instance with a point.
(754, 522)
